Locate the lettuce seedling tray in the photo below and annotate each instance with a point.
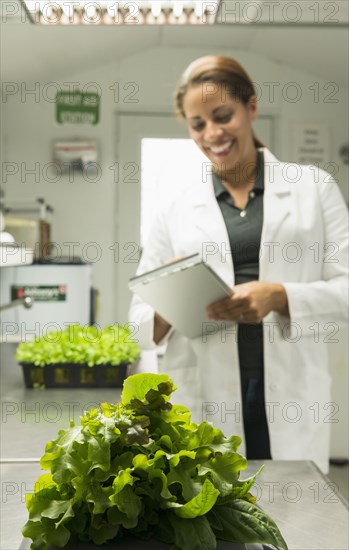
(74, 375)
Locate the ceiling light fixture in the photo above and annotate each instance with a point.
(108, 12)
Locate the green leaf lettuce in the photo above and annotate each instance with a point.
(142, 468)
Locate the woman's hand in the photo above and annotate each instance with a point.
(250, 303)
(161, 328)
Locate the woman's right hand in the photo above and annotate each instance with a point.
(161, 328)
(250, 303)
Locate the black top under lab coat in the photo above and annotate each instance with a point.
(244, 230)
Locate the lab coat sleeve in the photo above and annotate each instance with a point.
(157, 251)
(325, 301)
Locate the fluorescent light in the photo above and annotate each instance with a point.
(156, 8)
(199, 8)
(178, 8)
(66, 12)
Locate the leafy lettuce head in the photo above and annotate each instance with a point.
(141, 468)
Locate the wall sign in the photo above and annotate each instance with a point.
(311, 143)
(77, 108)
(53, 293)
(75, 154)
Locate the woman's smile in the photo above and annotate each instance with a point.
(221, 149)
(221, 126)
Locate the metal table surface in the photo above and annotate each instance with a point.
(304, 503)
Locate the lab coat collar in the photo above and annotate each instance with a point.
(275, 173)
(274, 179)
(209, 220)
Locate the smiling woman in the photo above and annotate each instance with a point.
(217, 98)
(243, 215)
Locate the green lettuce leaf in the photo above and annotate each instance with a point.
(137, 387)
(194, 534)
(200, 504)
(243, 521)
(223, 471)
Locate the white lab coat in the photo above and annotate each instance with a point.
(304, 245)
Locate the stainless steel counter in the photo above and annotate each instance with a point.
(305, 504)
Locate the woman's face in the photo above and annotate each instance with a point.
(221, 126)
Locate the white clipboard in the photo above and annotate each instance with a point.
(180, 292)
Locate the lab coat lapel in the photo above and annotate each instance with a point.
(210, 224)
(276, 205)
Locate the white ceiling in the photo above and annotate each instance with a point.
(284, 11)
(32, 52)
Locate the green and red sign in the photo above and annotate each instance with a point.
(53, 293)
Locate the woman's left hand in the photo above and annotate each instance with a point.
(250, 303)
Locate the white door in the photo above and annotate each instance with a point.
(134, 179)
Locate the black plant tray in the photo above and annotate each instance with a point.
(71, 375)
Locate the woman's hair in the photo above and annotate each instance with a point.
(219, 70)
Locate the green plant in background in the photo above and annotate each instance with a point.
(89, 345)
(141, 467)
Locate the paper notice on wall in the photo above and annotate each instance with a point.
(311, 143)
(79, 155)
